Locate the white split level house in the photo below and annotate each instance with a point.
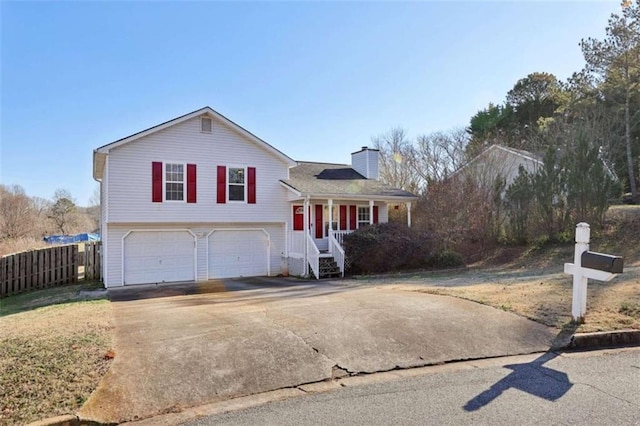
(199, 198)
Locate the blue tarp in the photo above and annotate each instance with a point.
(70, 239)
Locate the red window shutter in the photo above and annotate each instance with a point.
(191, 183)
(156, 179)
(375, 214)
(298, 218)
(222, 184)
(319, 230)
(251, 190)
(343, 218)
(353, 218)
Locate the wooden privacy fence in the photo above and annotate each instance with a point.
(91, 261)
(49, 267)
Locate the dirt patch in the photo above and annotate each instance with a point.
(547, 299)
(52, 358)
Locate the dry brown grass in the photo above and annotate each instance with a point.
(19, 245)
(610, 306)
(52, 358)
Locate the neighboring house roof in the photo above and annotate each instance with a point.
(99, 154)
(328, 180)
(536, 158)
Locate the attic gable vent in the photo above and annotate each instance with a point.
(206, 124)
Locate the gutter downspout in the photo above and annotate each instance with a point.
(103, 223)
(305, 228)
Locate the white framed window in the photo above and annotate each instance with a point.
(174, 182)
(206, 124)
(363, 216)
(237, 184)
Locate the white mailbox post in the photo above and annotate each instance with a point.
(586, 264)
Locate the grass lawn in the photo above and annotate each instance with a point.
(53, 351)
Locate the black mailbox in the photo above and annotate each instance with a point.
(602, 262)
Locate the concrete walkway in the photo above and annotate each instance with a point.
(176, 350)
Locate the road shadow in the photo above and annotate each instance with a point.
(531, 377)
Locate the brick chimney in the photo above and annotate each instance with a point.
(365, 162)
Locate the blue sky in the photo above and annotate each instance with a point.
(315, 79)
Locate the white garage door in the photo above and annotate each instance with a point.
(238, 253)
(158, 256)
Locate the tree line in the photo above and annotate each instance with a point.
(25, 220)
(586, 129)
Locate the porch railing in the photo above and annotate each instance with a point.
(313, 256)
(337, 252)
(340, 236)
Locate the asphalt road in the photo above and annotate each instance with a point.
(589, 388)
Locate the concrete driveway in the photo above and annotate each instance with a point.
(187, 345)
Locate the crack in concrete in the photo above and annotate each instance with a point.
(337, 371)
(302, 339)
(607, 393)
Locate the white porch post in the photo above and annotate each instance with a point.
(330, 202)
(409, 214)
(370, 212)
(305, 229)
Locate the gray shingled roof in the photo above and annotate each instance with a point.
(319, 179)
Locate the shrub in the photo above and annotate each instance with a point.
(386, 247)
(445, 259)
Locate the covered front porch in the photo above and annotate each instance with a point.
(315, 239)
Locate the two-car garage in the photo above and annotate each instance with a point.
(157, 256)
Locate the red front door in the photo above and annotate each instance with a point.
(298, 218)
(319, 230)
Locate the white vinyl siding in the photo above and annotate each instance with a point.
(496, 161)
(359, 163)
(366, 163)
(129, 171)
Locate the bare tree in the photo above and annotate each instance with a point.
(17, 214)
(95, 196)
(93, 211)
(397, 160)
(439, 154)
(40, 205)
